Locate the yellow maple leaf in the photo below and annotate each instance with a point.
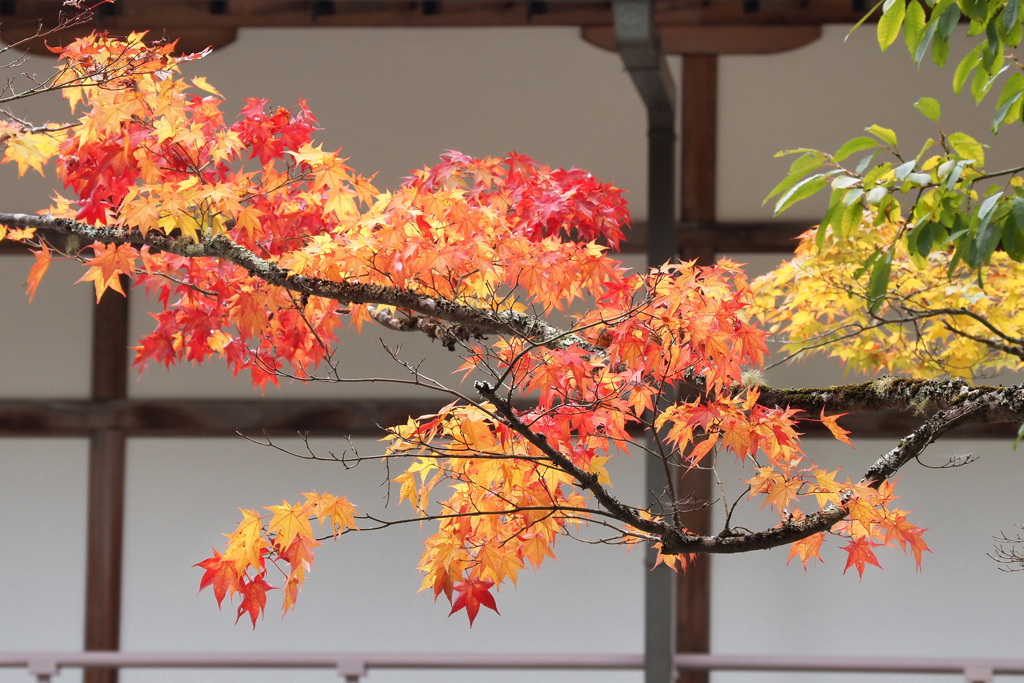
(33, 150)
(288, 522)
(246, 543)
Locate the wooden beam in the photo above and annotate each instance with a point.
(208, 418)
(198, 23)
(349, 417)
(126, 14)
(717, 40)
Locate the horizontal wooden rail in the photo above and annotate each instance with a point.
(353, 666)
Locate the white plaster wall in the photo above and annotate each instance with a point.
(960, 604)
(42, 579)
(362, 593)
(45, 342)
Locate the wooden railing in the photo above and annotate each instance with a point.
(353, 666)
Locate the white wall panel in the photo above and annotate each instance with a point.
(362, 593)
(45, 344)
(395, 99)
(960, 604)
(42, 579)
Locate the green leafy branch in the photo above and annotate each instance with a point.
(941, 200)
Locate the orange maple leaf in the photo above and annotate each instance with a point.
(35, 274)
(838, 432)
(327, 507)
(807, 548)
(108, 265)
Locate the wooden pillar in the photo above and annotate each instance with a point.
(697, 175)
(106, 485)
(699, 138)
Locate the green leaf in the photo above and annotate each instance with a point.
(843, 181)
(863, 19)
(849, 220)
(924, 148)
(904, 169)
(834, 208)
(982, 248)
(967, 148)
(948, 20)
(791, 152)
(963, 70)
(878, 282)
(983, 81)
(1009, 25)
(975, 9)
(1013, 230)
(802, 190)
(890, 23)
(853, 146)
(886, 135)
(924, 237)
(872, 176)
(1007, 108)
(926, 41)
(940, 50)
(875, 195)
(988, 206)
(853, 196)
(809, 161)
(992, 51)
(929, 106)
(863, 164)
(954, 177)
(913, 26)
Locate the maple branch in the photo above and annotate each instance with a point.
(465, 322)
(984, 404)
(588, 481)
(899, 393)
(787, 532)
(381, 523)
(674, 539)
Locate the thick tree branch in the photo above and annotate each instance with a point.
(613, 505)
(466, 321)
(674, 539)
(884, 393)
(984, 404)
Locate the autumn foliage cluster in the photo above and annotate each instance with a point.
(263, 248)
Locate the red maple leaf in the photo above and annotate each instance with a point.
(254, 597)
(860, 554)
(472, 594)
(221, 574)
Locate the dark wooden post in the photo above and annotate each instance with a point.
(106, 484)
(697, 171)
